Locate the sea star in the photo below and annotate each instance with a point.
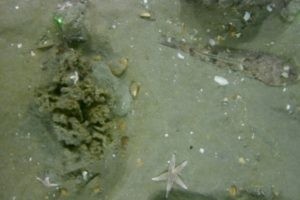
(172, 175)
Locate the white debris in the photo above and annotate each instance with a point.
(288, 107)
(17, 7)
(201, 150)
(75, 77)
(32, 53)
(180, 56)
(286, 68)
(85, 175)
(212, 42)
(191, 132)
(19, 45)
(166, 135)
(269, 8)
(247, 16)
(221, 80)
(46, 182)
(285, 74)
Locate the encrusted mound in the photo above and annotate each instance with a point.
(81, 111)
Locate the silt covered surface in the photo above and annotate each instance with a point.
(245, 133)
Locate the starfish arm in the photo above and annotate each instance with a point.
(161, 177)
(169, 187)
(180, 167)
(179, 182)
(172, 163)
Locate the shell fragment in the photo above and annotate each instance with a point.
(221, 80)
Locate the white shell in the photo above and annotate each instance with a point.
(221, 80)
(247, 16)
(180, 56)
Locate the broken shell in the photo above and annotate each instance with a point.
(118, 67)
(45, 44)
(233, 191)
(134, 89)
(221, 80)
(146, 15)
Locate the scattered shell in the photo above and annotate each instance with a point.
(118, 67)
(242, 160)
(139, 162)
(97, 58)
(63, 192)
(221, 80)
(146, 15)
(247, 16)
(269, 7)
(180, 56)
(233, 191)
(124, 142)
(134, 89)
(212, 42)
(201, 150)
(47, 44)
(19, 45)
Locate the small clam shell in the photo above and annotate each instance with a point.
(45, 44)
(146, 15)
(233, 191)
(134, 89)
